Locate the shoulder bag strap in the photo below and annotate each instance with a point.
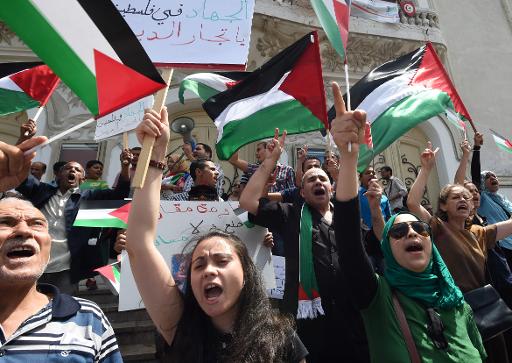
(404, 326)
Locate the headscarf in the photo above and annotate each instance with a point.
(433, 287)
(493, 206)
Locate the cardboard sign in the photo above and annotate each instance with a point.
(180, 223)
(124, 119)
(192, 32)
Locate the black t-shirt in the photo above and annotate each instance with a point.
(339, 335)
(217, 343)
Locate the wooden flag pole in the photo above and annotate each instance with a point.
(125, 140)
(147, 146)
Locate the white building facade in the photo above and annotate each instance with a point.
(473, 39)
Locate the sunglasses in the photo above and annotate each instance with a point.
(400, 230)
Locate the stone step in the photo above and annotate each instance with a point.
(100, 296)
(115, 316)
(139, 353)
(134, 329)
(135, 332)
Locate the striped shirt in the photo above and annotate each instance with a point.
(284, 174)
(68, 329)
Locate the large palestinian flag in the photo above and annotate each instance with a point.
(286, 92)
(25, 85)
(102, 213)
(89, 46)
(402, 93)
(206, 85)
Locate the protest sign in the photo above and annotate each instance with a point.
(181, 222)
(279, 263)
(211, 33)
(124, 119)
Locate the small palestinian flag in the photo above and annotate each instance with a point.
(102, 213)
(334, 16)
(286, 92)
(111, 274)
(402, 93)
(206, 85)
(502, 142)
(89, 46)
(456, 121)
(25, 85)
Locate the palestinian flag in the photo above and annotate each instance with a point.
(401, 94)
(502, 142)
(25, 85)
(89, 46)
(286, 92)
(455, 119)
(102, 213)
(111, 274)
(334, 16)
(206, 85)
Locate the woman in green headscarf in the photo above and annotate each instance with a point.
(440, 322)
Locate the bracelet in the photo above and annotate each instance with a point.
(157, 164)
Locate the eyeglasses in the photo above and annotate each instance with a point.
(400, 230)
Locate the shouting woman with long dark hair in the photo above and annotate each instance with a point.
(224, 314)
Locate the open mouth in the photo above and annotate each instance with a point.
(21, 252)
(414, 247)
(212, 292)
(318, 191)
(463, 207)
(71, 178)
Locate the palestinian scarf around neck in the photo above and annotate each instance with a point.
(310, 303)
(433, 287)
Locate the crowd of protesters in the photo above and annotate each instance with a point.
(372, 274)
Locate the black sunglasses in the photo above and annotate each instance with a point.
(400, 230)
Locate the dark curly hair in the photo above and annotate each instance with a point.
(260, 333)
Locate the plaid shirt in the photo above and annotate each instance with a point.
(285, 177)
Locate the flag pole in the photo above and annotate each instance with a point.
(125, 140)
(347, 87)
(44, 102)
(61, 135)
(149, 142)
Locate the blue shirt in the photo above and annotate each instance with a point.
(365, 208)
(68, 329)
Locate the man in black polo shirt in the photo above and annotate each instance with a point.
(328, 323)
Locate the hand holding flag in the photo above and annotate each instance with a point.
(348, 127)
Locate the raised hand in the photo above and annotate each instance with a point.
(187, 150)
(478, 139)
(155, 125)
(302, 153)
(348, 126)
(126, 157)
(428, 156)
(275, 146)
(14, 164)
(465, 146)
(374, 193)
(27, 131)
